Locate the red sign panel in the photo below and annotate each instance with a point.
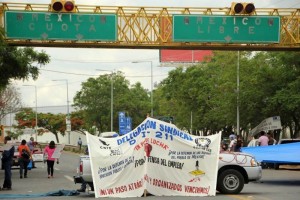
(189, 56)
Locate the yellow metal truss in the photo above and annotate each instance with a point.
(151, 27)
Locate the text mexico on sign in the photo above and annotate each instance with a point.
(60, 26)
(226, 29)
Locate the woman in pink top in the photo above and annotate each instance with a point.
(48, 152)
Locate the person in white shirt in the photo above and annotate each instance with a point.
(232, 143)
(253, 142)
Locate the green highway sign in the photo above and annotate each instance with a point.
(226, 29)
(60, 26)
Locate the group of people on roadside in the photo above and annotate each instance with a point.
(236, 141)
(265, 139)
(25, 151)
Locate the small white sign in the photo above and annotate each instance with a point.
(58, 150)
(68, 127)
(28, 131)
(38, 157)
(271, 123)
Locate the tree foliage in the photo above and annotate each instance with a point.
(208, 92)
(94, 99)
(19, 63)
(10, 101)
(203, 97)
(48, 122)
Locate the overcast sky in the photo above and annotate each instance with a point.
(77, 65)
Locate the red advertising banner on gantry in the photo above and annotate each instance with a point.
(182, 56)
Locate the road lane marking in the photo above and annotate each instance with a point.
(239, 197)
(248, 198)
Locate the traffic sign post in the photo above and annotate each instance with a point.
(128, 124)
(60, 26)
(122, 123)
(226, 29)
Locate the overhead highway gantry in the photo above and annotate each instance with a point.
(87, 26)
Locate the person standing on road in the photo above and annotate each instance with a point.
(24, 158)
(48, 152)
(79, 143)
(263, 140)
(31, 145)
(7, 157)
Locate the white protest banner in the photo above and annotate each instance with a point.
(57, 152)
(269, 124)
(157, 157)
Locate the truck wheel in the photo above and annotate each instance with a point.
(230, 181)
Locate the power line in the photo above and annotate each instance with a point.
(61, 72)
(100, 61)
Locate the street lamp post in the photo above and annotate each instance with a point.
(238, 95)
(68, 123)
(111, 98)
(151, 92)
(36, 122)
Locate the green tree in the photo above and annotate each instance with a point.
(268, 86)
(94, 99)
(25, 118)
(204, 91)
(48, 122)
(136, 103)
(286, 98)
(19, 63)
(55, 123)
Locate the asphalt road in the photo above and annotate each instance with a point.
(280, 184)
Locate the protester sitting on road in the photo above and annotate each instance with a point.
(48, 152)
(24, 158)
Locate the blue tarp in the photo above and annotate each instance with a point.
(282, 153)
(55, 193)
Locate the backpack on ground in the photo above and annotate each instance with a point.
(25, 154)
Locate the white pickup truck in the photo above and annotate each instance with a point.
(235, 170)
